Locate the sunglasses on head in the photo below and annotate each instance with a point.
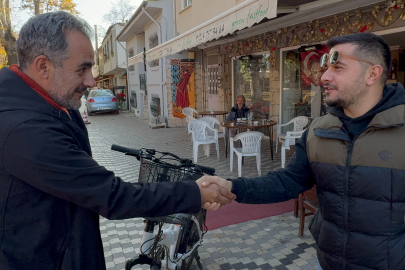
(334, 57)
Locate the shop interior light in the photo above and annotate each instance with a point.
(310, 48)
(246, 57)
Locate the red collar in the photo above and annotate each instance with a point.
(36, 87)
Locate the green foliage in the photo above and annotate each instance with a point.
(41, 6)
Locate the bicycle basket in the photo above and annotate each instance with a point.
(151, 171)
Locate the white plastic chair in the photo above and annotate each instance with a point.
(251, 142)
(289, 140)
(299, 123)
(189, 113)
(212, 121)
(199, 131)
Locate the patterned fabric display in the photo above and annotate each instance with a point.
(183, 93)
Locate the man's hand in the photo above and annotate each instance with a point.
(208, 180)
(213, 196)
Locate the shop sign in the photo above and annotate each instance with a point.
(243, 16)
(135, 59)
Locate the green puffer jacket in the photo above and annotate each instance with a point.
(361, 192)
(358, 166)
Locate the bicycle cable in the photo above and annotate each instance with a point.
(158, 236)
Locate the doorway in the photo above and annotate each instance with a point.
(213, 85)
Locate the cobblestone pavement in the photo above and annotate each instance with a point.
(270, 243)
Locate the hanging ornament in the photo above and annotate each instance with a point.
(387, 18)
(336, 20)
(363, 29)
(375, 11)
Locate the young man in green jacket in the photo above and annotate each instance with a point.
(355, 156)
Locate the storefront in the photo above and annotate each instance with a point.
(279, 73)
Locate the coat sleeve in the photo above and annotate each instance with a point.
(44, 154)
(278, 186)
(230, 116)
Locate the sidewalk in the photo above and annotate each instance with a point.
(270, 243)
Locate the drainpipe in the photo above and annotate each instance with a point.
(162, 61)
(174, 19)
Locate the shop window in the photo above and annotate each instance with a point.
(252, 80)
(153, 42)
(302, 91)
(131, 52)
(132, 99)
(108, 49)
(213, 79)
(187, 3)
(155, 105)
(112, 46)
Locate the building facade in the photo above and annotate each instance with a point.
(150, 26)
(257, 48)
(111, 63)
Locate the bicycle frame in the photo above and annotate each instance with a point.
(163, 248)
(168, 239)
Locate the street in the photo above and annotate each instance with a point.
(270, 243)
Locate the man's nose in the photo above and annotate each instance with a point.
(89, 80)
(326, 77)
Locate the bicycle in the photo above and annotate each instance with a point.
(174, 248)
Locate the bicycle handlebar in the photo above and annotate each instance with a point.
(125, 150)
(205, 169)
(186, 162)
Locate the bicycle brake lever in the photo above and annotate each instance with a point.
(186, 162)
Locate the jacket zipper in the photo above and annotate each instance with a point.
(346, 196)
(345, 205)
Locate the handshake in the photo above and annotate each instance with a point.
(215, 192)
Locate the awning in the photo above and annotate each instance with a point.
(241, 16)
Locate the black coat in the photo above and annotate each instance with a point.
(52, 191)
(233, 113)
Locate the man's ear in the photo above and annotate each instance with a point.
(374, 74)
(42, 67)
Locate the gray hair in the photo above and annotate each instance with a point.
(45, 34)
(242, 96)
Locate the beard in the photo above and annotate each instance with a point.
(62, 95)
(347, 95)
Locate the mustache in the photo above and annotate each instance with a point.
(81, 89)
(329, 85)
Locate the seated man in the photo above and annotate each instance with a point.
(239, 110)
